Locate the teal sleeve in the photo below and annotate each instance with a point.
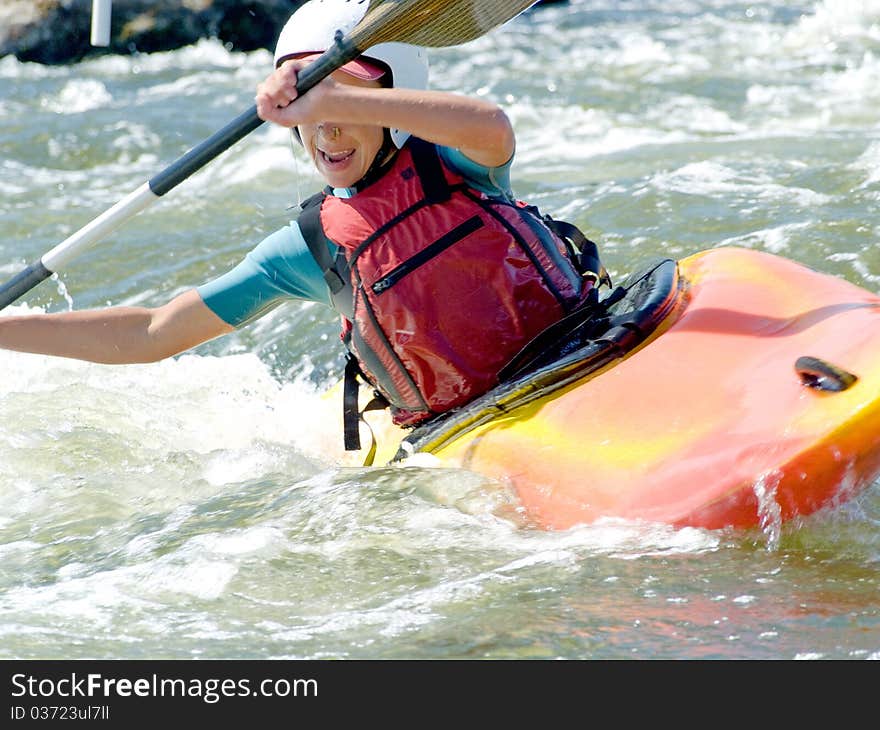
(494, 181)
(280, 268)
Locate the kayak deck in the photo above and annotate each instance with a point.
(705, 422)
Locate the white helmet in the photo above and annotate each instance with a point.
(313, 27)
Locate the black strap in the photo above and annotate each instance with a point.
(351, 414)
(426, 160)
(313, 232)
(381, 162)
(583, 252)
(586, 252)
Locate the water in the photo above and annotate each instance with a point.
(197, 507)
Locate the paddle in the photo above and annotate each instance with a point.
(432, 23)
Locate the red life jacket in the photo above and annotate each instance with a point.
(439, 285)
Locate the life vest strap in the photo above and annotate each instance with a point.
(426, 160)
(352, 416)
(313, 232)
(583, 251)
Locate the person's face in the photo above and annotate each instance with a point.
(343, 153)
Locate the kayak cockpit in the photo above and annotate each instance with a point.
(579, 345)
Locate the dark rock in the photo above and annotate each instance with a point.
(58, 31)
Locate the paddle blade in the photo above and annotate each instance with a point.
(433, 23)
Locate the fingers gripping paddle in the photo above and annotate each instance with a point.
(432, 23)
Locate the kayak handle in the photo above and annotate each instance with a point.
(822, 375)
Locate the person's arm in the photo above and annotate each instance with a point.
(116, 334)
(479, 128)
(279, 268)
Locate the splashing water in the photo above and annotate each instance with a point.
(769, 511)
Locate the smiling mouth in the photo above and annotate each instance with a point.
(335, 158)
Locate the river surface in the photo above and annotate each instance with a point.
(194, 508)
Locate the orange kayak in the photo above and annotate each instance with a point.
(732, 388)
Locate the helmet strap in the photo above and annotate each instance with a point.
(384, 157)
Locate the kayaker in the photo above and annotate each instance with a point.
(439, 274)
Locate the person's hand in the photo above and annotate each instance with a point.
(277, 93)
